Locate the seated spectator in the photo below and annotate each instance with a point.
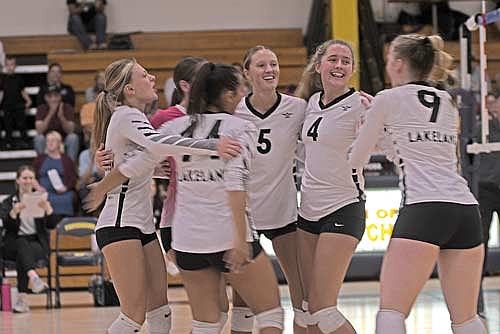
(87, 171)
(14, 104)
(88, 17)
(26, 238)
(61, 194)
(91, 92)
(54, 77)
(2, 57)
(55, 115)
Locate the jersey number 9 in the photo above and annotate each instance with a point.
(434, 104)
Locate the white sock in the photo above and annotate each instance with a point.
(472, 326)
(159, 320)
(124, 325)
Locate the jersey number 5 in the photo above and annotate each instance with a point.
(265, 143)
(214, 133)
(313, 130)
(434, 104)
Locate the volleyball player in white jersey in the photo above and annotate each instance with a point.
(125, 231)
(332, 211)
(273, 194)
(439, 219)
(214, 246)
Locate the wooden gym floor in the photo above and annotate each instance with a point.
(359, 302)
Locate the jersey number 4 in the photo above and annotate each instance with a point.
(434, 104)
(214, 133)
(313, 130)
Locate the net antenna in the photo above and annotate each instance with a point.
(475, 22)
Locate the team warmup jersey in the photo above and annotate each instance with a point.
(273, 195)
(422, 122)
(202, 220)
(129, 133)
(329, 183)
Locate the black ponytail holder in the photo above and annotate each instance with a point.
(105, 92)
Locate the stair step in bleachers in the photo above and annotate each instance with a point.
(79, 69)
(10, 161)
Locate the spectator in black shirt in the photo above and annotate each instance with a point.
(14, 104)
(54, 79)
(88, 17)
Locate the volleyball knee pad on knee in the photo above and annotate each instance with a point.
(201, 327)
(242, 319)
(328, 319)
(222, 320)
(473, 325)
(300, 317)
(159, 320)
(270, 318)
(124, 325)
(390, 322)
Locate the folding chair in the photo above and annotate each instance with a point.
(77, 227)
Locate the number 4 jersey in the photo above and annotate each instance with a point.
(422, 122)
(328, 182)
(273, 195)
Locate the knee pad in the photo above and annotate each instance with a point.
(301, 317)
(222, 320)
(390, 322)
(124, 325)
(200, 327)
(271, 318)
(473, 325)
(328, 319)
(242, 319)
(159, 320)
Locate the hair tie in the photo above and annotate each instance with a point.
(105, 92)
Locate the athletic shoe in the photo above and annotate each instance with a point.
(21, 306)
(38, 286)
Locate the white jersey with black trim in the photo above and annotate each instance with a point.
(202, 220)
(129, 132)
(422, 122)
(329, 183)
(273, 194)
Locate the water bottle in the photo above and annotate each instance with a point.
(6, 297)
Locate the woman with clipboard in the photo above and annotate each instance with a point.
(26, 237)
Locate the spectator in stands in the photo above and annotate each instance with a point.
(15, 102)
(88, 17)
(59, 116)
(54, 77)
(2, 57)
(26, 239)
(87, 171)
(91, 92)
(57, 175)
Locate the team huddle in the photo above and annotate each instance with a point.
(231, 156)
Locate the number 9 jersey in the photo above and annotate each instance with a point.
(422, 122)
(328, 182)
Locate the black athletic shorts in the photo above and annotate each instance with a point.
(166, 238)
(349, 220)
(276, 232)
(108, 235)
(444, 224)
(198, 261)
